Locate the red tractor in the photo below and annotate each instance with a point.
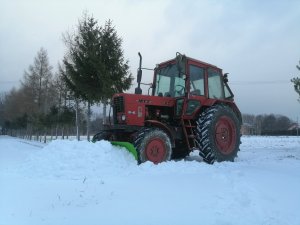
(191, 108)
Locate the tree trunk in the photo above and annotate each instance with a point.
(63, 132)
(77, 119)
(30, 133)
(68, 131)
(45, 136)
(27, 133)
(88, 121)
(51, 134)
(104, 112)
(56, 131)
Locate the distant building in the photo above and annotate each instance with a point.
(247, 129)
(294, 129)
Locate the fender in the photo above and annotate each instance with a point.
(232, 105)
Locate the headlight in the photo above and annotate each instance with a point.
(123, 117)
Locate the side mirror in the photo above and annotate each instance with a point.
(225, 78)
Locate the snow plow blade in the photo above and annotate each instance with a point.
(130, 148)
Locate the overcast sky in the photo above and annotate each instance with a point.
(256, 42)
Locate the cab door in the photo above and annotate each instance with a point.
(196, 92)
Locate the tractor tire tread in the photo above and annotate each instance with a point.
(204, 134)
(147, 132)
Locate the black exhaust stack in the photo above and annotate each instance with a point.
(138, 90)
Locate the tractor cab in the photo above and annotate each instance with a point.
(191, 82)
(184, 75)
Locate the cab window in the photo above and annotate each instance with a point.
(215, 86)
(169, 82)
(196, 80)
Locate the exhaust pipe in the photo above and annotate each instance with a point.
(138, 89)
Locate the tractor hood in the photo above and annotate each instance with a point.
(131, 108)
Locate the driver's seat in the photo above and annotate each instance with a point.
(196, 92)
(167, 94)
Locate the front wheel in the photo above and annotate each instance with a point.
(153, 144)
(218, 134)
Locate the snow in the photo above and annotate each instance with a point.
(70, 182)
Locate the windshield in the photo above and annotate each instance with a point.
(169, 82)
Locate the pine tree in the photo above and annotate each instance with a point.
(83, 64)
(95, 66)
(296, 81)
(116, 69)
(65, 93)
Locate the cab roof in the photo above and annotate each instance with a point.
(172, 61)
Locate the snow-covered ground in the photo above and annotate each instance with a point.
(69, 183)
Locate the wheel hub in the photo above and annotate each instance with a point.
(225, 135)
(156, 150)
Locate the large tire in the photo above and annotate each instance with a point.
(218, 134)
(152, 144)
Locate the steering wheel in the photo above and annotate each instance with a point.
(179, 89)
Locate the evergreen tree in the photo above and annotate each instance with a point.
(83, 62)
(66, 95)
(296, 82)
(95, 66)
(116, 68)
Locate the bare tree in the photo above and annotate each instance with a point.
(38, 90)
(38, 81)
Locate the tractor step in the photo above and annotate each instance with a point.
(188, 130)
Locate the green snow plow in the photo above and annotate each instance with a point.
(128, 146)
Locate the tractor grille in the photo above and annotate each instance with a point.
(119, 104)
(118, 107)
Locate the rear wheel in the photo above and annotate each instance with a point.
(152, 144)
(218, 134)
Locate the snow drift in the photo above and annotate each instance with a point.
(70, 182)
